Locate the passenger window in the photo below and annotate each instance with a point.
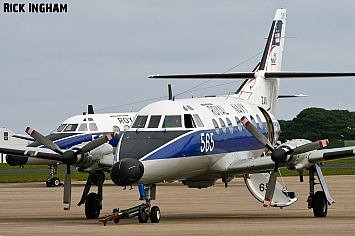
(259, 122)
(252, 120)
(189, 122)
(140, 122)
(230, 126)
(216, 127)
(239, 124)
(154, 122)
(70, 128)
(90, 119)
(83, 127)
(223, 125)
(198, 120)
(173, 121)
(93, 127)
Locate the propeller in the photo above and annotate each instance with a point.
(280, 155)
(68, 157)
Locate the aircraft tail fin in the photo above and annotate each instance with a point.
(259, 90)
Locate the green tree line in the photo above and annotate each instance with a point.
(318, 123)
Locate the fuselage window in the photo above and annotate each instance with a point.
(61, 127)
(93, 127)
(83, 127)
(239, 124)
(223, 125)
(198, 120)
(230, 126)
(140, 122)
(216, 127)
(252, 120)
(70, 128)
(189, 122)
(260, 122)
(154, 122)
(173, 121)
(90, 119)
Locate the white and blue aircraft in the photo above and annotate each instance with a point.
(200, 140)
(79, 141)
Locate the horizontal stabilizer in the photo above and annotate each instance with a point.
(246, 75)
(292, 96)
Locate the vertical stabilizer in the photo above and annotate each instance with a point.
(261, 91)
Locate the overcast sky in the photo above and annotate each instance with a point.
(100, 52)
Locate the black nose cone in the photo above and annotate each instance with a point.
(127, 171)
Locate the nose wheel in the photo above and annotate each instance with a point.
(143, 211)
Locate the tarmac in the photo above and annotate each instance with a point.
(33, 209)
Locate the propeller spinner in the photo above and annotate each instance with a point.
(68, 157)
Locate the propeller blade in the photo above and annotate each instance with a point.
(311, 146)
(256, 133)
(67, 190)
(271, 187)
(43, 140)
(95, 143)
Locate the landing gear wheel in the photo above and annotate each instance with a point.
(155, 214)
(142, 215)
(53, 182)
(117, 220)
(92, 206)
(319, 204)
(56, 182)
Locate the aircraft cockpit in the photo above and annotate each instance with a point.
(167, 121)
(85, 126)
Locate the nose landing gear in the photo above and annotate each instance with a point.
(144, 211)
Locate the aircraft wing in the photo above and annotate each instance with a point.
(265, 163)
(31, 152)
(252, 165)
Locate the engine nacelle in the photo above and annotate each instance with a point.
(300, 161)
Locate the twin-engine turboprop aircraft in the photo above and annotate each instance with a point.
(79, 141)
(200, 140)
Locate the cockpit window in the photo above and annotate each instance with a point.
(61, 127)
(70, 128)
(198, 120)
(154, 121)
(172, 121)
(83, 127)
(140, 122)
(93, 127)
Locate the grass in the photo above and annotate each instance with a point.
(38, 176)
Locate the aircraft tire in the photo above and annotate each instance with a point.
(142, 215)
(155, 214)
(92, 210)
(118, 219)
(319, 204)
(55, 181)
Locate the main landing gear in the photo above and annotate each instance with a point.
(144, 211)
(53, 181)
(93, 201)
(320, 200)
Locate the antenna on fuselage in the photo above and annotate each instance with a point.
(90, 109)
(170, 93)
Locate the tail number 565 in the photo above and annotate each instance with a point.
(207, 142)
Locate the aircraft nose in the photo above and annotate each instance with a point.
(127, 171)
